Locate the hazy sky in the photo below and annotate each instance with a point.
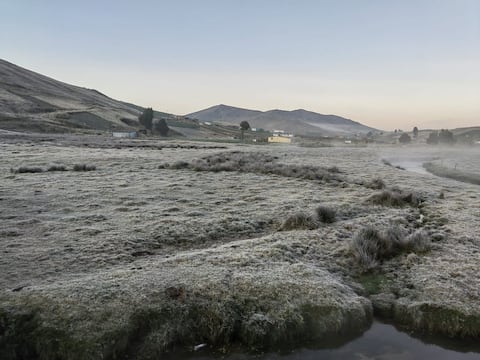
(386, 63)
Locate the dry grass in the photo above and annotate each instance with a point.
(259, 163)
(394, 198)
(299, 221)
(84, 167)
(27, 169)
(133, 260)
(371, 246)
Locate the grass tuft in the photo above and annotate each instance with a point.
(371, 246)
(325, 214)
(57, 168)
(84, 167)
(299, 221)
(376, 183)
(394, 198)
(27, 169)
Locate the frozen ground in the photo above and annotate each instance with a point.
(134, 259)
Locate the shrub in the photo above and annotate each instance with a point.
(394, 198)
(84, 167)
(325, 214)
(371, 246)
(299, 221)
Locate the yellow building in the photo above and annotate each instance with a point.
(279, 139)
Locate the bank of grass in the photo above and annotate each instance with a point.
(437, 317)
(258, 309)
(450, 173)
(256, 162)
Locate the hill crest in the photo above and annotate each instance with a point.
(299, 122)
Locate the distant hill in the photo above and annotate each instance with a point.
(34, 102)
(299, 122)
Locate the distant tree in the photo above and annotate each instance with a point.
(446, 137)
(161, 127)
(146, 118)
(432, 138)
(404, 138)
(244, 125)
(415, 132)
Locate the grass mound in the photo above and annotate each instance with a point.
(371, 246)
(303, 221)
(27, 169)
(261, 308)
(84, 167)
(299, 221)
(57, 168)
(326, 214)
(256, 163)
(394, 198)
(376, 184)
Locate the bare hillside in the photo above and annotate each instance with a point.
(31, 101)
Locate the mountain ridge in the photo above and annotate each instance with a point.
(299, 121)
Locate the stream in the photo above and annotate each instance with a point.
(380, 342)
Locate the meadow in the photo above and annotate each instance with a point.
(114, 249)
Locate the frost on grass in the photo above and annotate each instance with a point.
(394, 198)
(259, 163)
(299, 221)
(223, 296)
(303, 221)
(149, 260)
(84, 167)
(372, 246)
(27, 169)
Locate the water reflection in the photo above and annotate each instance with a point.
(380, 342)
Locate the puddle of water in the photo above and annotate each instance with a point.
(380, 342)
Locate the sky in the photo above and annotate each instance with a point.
(388, 64)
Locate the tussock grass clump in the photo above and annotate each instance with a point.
(57, 168)
(257, 163)
(303, 221)
(371, 246)
(376, 183)
(84, 167)
(394, 198)
(325, 214)
(299, 221)
(178, 165)
(27, 169)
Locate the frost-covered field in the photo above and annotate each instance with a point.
(134, 259)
